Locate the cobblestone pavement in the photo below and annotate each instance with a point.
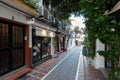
(41, 70)
(86, 69)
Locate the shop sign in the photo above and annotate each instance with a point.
(51, 34)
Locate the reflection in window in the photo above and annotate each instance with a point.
(45, 47)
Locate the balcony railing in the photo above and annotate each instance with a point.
(46, 13)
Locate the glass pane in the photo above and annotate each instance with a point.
(36, 49)
(46, 47)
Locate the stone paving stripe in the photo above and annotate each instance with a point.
(34, 76)
(77, 74)
(84, 68)
(55, 67)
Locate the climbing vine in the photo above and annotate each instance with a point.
(105, 28)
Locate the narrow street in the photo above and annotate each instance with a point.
(70, 65)
(59, 40)
(67, 68)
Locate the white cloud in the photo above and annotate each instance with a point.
(77, 21)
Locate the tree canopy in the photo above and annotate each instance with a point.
(104, 27)
(64, 8)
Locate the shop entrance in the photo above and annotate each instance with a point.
(11, 47)
(41, 47)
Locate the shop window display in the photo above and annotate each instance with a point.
(45, 47)
(41, 47)
(36, 49)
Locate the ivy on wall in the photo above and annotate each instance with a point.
(104, 27)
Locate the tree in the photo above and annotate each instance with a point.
(77, 31)
(64, 8)
(104, 27)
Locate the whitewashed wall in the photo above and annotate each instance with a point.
(52, 48)
(99, 61)
(30, 36)
(9, 13)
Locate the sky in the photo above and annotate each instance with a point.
(78, 21)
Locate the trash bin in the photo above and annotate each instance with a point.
(85, 51)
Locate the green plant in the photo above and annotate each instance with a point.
(105, 28)
(32, 3)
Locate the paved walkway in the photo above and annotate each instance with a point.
(67, 68)
(86, 71)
